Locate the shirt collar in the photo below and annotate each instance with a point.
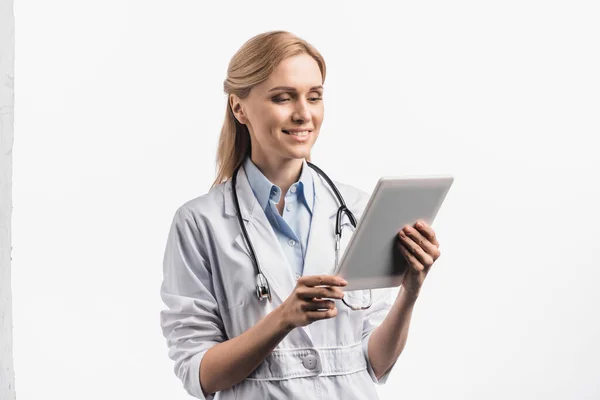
(265, 190)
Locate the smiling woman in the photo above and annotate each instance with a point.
(268, 229)
(283, 121)
(270, 97)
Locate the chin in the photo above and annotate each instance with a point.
(299, 153)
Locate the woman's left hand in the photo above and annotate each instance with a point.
(420, 249)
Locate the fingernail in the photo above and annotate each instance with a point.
(419, 225)
(343, 282)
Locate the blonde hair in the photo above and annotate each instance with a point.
(251, 65)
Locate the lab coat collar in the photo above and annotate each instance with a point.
(246, 198)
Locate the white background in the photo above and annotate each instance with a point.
(118, 107)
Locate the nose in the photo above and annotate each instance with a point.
(301, 112)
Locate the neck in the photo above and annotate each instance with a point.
(281, 172)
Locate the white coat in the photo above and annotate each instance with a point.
(209, 289)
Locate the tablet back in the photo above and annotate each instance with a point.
(371, 259)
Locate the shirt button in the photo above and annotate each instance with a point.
(293, 189)
(292, 242)
(296, 276)
(288, 207)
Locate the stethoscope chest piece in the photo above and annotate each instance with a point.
(263, 291)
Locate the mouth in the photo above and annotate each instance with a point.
(296, 132)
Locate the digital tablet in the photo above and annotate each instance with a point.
(371, 259)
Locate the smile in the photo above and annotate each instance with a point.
(296, 133)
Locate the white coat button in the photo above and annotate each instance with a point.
(310, 362)
(293, 189)
(288, 207)
(296, 276)
(292, 242)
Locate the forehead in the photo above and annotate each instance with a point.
(300, 71)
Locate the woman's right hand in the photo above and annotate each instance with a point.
(309, 296)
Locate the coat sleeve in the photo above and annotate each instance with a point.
(383, 299)
(191, 324)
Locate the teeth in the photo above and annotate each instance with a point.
(301, 133)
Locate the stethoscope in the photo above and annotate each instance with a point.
(263, 291)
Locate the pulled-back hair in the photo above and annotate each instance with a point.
(251, 65)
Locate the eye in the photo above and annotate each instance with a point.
(317, 96)
(280, 100)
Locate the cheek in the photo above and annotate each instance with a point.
(266, 129)
(318, 115)
(281, 118)
(274, 120)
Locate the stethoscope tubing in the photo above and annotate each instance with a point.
(263, 289)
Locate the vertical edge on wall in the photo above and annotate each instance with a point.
(7, 57)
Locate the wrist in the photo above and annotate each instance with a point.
(410, 296)
(282, 323)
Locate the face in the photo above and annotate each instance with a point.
(284, 113)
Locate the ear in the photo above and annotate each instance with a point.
(238, 111)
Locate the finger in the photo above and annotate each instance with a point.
(427, 231)
(315, 305)
(411, 259)
(423, 257)
(317, 315)
(321, 292)
(322, 280)
(423, 242)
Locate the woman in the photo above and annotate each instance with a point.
(302, 341)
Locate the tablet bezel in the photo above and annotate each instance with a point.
(439, 182)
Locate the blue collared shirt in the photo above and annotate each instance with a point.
(292, 229)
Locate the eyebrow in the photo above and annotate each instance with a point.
(291, 89)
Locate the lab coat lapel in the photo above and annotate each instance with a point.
(320, 254)
(272, 260)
